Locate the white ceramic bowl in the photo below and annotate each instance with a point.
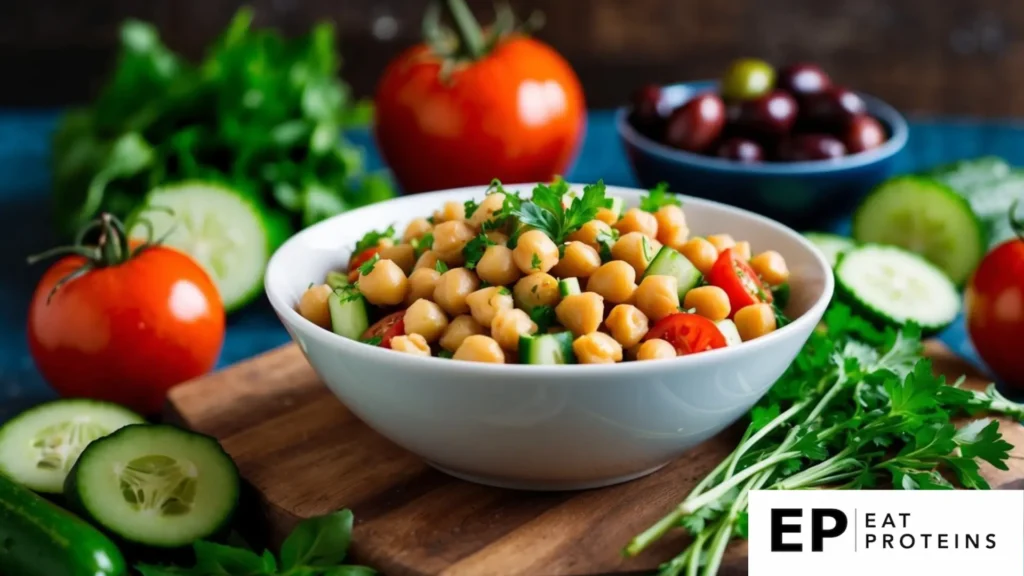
(545, 427)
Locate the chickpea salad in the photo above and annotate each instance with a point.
(564, 277)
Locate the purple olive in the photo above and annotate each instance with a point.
(804, 147)
(803, 79)
(771, 115)
(694, 126)
(831, 109)
(863, 133)
(647, 117)
(740, 150)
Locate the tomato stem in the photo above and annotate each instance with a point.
(1017, 224)
(471, 37)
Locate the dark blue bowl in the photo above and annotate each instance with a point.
(801, 194)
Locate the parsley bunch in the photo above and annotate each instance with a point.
(546, 213)
(858, 408)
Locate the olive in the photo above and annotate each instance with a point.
(741, 150)
(802, 79)
(771, 115)
(831, 109)
(694, 126)
(747, 78)
(803, 147)
(863, 133)
(647, 117)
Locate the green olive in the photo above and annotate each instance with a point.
(747, 78)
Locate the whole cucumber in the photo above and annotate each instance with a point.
(37, 538)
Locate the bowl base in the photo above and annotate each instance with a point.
(544, 485)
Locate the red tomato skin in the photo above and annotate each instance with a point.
(725, 275)
(994, 307)
(387, 328)
(518, 115)
(126, 333)
(688, 333)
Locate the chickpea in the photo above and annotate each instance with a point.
(497, 266)
(313, 305)
(627, 324)
(607, 215)
(538, 289)
(488, 206)
(589, 232)
(402, 254)
(721, 242)
(416, 229)
(710, 302)
(422, 282)
(425, 318)
(509, 325)
(742, 250)
(636, 220)
(452, 289)
(535, 252)
(597, 348)
(450, 212)
(497, 237)
(485, 303)
(427, 260)
(578, 261)
(460, 328)
(658, 296)
(672, 228)
(581, 313)
(701, 253)
(771, 267)
(451, 237)
(479, 348)
(413, 344)
(655, 349)
(385, 285)
(636, 250)
(754, 321)
(615, 280)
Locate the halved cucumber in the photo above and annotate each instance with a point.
(155, 485)
(729, 330)
(925, 217)
(832, 245)
(349, 317)
(337, 280)
(669, 262)
(547, 349)
(224, 230)
(896, 287)
(568, 287)
(39, 446)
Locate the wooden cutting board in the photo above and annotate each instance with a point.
(305, 454)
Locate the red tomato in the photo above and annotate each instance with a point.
(689, 333)
(461, 117)
(127, 330)
(387, 328)
(994, 306)
(732, 274)
(358, 260)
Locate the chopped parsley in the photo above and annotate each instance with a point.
(474, 250)
(372, 238)
(422, 244)
(657, 198)
(511, 204)
(373, 340)
(445, 354)
(605, 240)
(348, 293)
(546, 213)
(440, 266)
(535, 262)
(544, 317)
(504, 291)
(367, 267)
(470, 207)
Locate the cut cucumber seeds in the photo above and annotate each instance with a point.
(155, 485)
(897, 287)
(39, 446)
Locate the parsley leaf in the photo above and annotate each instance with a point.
(440, 266)
(535, 262)
(474, 250)
(445, 354)
(422, 244)
(605, 240)
(372, 238)
(506, 213)
(545, 212)
(544, 317)
(367, 267)
(470, 207)
(658, 197)
(373, 340)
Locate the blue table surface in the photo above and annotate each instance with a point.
(25, 221)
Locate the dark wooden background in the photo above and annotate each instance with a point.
(958, 57)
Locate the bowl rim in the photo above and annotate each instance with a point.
(291, 317)
(875, 106)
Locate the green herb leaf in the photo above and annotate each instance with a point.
(474, 250)
(535, 262)
(269, 562)
(372, 238)
(367, 267)
(319, 542)
(606, 239)
(373, 340)
(470, 206)
(153, 570)
(219, 559)
(422, 244)
(657, 198)
(544, 317)
(445, 354)
(349, 571)
(440, 266)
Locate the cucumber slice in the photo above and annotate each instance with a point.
(568, 287)
(832, 245)
(337, 280)
(155, 485)
(925, 217)
(670, 262)
(729, 330)
(223, 229)
(39, 446)
(896, 287)
(547, 349)
(349, 317)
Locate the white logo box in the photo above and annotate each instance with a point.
(933, 532)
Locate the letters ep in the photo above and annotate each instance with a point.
(819, 533)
